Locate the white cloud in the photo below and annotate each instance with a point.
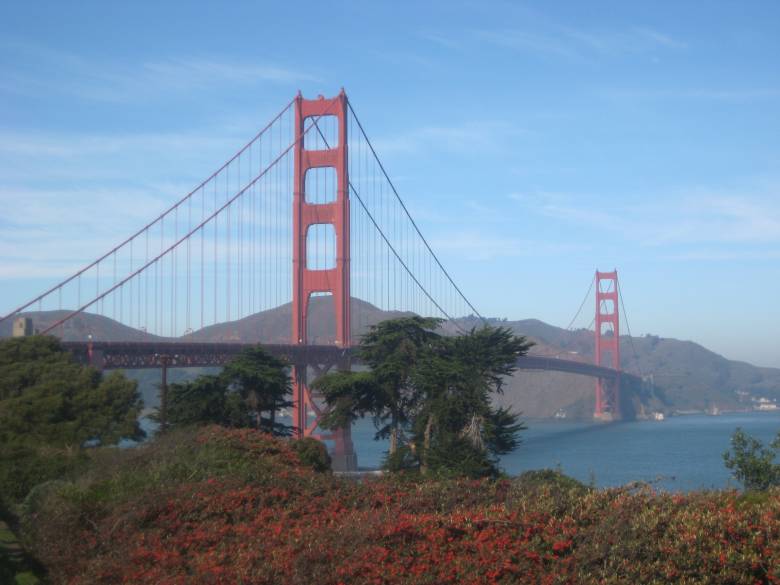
(661, 39)
(572, 44)
(54, 71)
(633, 40)
(747, 216)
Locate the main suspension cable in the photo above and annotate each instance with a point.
(584, 300)
(628, 327)
(176, 243)
(417, 229)
(149, 225)
(390, 246)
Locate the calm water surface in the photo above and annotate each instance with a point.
(681, 453)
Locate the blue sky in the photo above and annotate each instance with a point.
(534, 142)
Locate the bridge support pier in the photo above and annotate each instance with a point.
(308, 408)
(607, 399)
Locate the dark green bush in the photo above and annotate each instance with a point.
(312, 453)
(751, 463)
(549, 478)
(23, 467)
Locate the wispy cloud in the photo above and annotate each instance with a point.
(471, 136)
(42, 69)
(661, 39)
(69, 196)
(685, 217)
(521, 40)
(76, 145)
(741, 94)
(632, 40)
(187, 73)
(572, 44)
(441, 40)
(707, 255)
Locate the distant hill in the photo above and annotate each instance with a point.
(271, 326)
(274, 325)
(687, 375)
(81, 326)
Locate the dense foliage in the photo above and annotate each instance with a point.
(50, 407)
(392, 350)
(431, 395)
(235, 506)
(752, 463)
(48, 399)
(247, 393)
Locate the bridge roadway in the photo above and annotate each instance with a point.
(148, 354)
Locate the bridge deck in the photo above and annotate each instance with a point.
(147, 354)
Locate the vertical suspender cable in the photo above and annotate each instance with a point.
(113, 300)
(240, 251)
(229, 247)
(202, 254)
(146, 284)
(130, 288)
(158, 305)
(174, 272)
(251, 275)
(215, 272)
(189, 264)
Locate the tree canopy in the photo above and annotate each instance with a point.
(46, 398)
(751, 463)
(458, 428)
(247, 393)
(51, 407)
(431, 395)
(392, 350)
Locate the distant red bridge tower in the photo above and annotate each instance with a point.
(607, 345)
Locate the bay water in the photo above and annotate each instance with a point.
(681, 453)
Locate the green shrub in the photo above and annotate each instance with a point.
(217, 505)
(752, 463)
(312, 453)
(550, 478)
(24, 467)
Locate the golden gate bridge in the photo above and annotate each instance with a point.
(304, 225)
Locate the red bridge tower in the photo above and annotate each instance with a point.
(607, 345)
(334, 280)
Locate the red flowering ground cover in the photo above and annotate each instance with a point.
(225, 506)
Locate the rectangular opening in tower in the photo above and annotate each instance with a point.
(607, 306)
(607, 329)
(324, 132)
(320, 185)
(321, 319)
(321, 247)
(607, 285)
